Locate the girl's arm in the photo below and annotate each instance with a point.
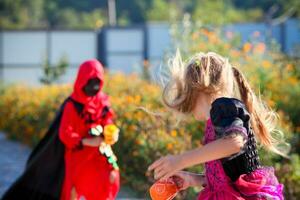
(220, 148)
(228, 117)
(215, 150)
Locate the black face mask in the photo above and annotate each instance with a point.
(92, 87)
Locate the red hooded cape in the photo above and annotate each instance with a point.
(86, 169)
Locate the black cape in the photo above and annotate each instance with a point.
(43, 176)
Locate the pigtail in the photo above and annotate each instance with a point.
(263, 119)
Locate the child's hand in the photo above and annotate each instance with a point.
(113, 175)
(166, 166)
(185, 179)
(182, 179)
(92, 142)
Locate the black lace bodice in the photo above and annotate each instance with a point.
(230, 116)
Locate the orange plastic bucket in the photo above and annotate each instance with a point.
(166, 190)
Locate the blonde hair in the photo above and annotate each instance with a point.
(211, 74)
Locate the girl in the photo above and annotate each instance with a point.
(89, 174)
(212, 90)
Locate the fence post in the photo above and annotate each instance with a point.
(145, 42)
(1, 56)
(102, 46)
(48, 47)
(283, 36)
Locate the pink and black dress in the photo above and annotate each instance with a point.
(239, 176)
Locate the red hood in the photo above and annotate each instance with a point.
(92, 105)
(87, 70)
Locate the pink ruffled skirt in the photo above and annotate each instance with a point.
(261, 184)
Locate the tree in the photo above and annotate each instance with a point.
(159, 11)
(220, 12)
(53, 73)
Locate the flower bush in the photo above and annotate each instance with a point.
(26, 113)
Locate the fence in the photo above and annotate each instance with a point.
(22, 53)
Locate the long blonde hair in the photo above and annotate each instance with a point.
(209, 74)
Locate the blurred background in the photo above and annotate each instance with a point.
(42, 43)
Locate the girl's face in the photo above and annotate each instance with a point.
(202, 107)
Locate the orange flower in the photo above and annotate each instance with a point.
(169, 146)
(174, 133)
(205, 32)
(130, 99)
(260, 48)
(247, 47)
(213, 38)
(235, 53)
(266, 64)
(202, 46)
(195, 36)
(289, 67)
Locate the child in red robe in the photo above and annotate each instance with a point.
(89, 174)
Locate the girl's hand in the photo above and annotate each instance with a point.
(185, 179)
(166, 166)
(92, 142)
(182, 179)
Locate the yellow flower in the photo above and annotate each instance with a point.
(293, 80)
(174, 133)
(99, 23)
(111, 134)
(130, 99)
(131, 128)
(138, 99)
(271, 103)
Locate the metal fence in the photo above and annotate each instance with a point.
(23, 53)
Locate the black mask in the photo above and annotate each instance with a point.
(92, 87)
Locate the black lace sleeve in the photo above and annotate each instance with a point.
(230, 116)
